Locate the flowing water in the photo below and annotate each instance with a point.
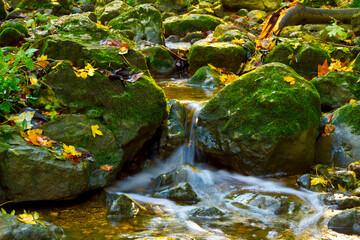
(232, 206)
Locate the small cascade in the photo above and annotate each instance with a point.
(246, 202)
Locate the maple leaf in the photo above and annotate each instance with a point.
(227, 78)
(106, 167)
(95, 130)
(290, 80)
(71, 150)
(318, 180)
(42, 61)
(27, 218)
(323, 69)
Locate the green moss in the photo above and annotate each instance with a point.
(280, 53)
(356, 64)
(205, 77)
(180, 25)
(349, 115)
(159, 60)
(16, 25)
(271, 99)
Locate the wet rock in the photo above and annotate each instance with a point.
(355, 23)
(159, 60)
(3, 12)
(171, 5)
(356, 64)
(194, 35)
(11, 228)
(122, 109)
(87, 7)
(347, 221)
(242, 23)
(340, 201)
(280, 54)
(181, 193)
(173, 133)
(257, 16)
(223, 28)
(258, 124)
(267, 5)
(345, 179)
(179, 25)
(206, 77)
(219, 11)
(144, 20)
(111, 10)
(340, 148)
(337, 88)
(122, 207)
(204, 52)
(57, 9)
(206, 212)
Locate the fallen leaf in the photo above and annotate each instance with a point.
(33, 79)
(95, 130)
(259, 15)
(90, 70)
(318, 180)
(290, 80)
(124, 48)
(352, 101)
(71, 150)
(328, 130)
(27, 218)
(42, 61)
(106, 167)
(58, 64)
(341, 188)
(323, 69)
(238, 41)
(135, 77)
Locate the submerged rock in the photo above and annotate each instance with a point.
(260, 124)
(12, 228)
(122, 207)
(206, 77)
(206, 212)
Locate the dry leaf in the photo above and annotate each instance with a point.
(323, 69)
(106, 167)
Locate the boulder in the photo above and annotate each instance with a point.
(172, 5)
(260, 124)
(355, 23)
(28, 5)
(281, 54)
(181, 25)
(181, 193)
(159, 61)
(347, 221)
(217, 54)
(12, 228)
(3, 12)
(111, 10)
(206, 212)
(266, 5)
(206, 77)
(144, 20)
(337, 88)
(122, 207)
(341, 147)
(340, 201)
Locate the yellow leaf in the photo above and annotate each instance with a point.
(54, 67)
(259, 15)
(238, 41)
(71, 150)
(33, 79)
(27, 218)
(290, 80)
(42, 61)
(99, 24)
(90, 70)
(352, 101)
(341, 188)
(318, 180)
(55, 2)
(95, 130)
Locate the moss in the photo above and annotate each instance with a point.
(356, 64)
(179, 25)
(206, 77)
(280, 54)
(349, 115)
(10, 37)
(270, 98)
(159, 60)
(217, 54)
(171, 5)
(16, 25)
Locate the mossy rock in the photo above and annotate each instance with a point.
(81, 41)
(217, 54)
(28, 5)
(337, 89)
(356, 63)
(341, 147)
(16, 25)
(172, 5)
(181, 25)
(280, 54)
(122, 207)
(181, 193)
(159, 60)
(355, 23)
(260, 124)
(346, 221)
(267, 5)
(3, 12)
(111, 10)
(132, 111)
(206, 77)
(308, 59)
(206, 212)
(10, 37)
(345, 179)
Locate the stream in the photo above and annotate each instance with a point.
(231, 206)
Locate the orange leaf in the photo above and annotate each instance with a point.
(106, 167)
(328, 130)
(323, 69)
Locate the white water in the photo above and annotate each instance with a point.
(212, 186)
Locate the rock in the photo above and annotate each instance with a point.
(16, 24)
(355, 23)
(305, 182)
(3, 12)
(219, 11)
(206, 77)
(257, 16)
(179, 25)
(341, 149)
(337, 89)
(340, 201)
(193, 35)
(347, 221)
(159, 60)
(171, 5)
(181, 193)
(355, 167)
(87, 7)
(28, 5)
(144, 20)
(173, 133)
(10, 37)
(206, 212)
(345, 179)
(260, 124)
(356, 64)
(80, 40)
(223, 28)
(308, 58)
(217, 54)
(242, 22)
(280, 54)
(112, 10)
(122, 109)
(11, 228)
(121, 208)
(266, 5)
